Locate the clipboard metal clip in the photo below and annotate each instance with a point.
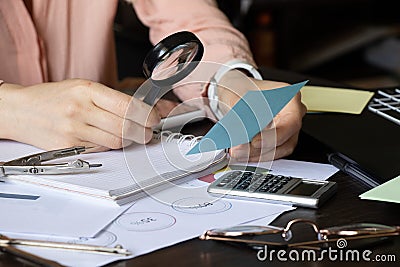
(10, 245)
(32, 164)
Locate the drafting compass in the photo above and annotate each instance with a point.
(32, 164)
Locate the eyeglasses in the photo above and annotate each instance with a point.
(357, 231)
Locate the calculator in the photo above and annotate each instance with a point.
(268, 187)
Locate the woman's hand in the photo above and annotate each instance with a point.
(279, 138)
(73, 112)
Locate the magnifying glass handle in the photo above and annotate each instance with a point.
(152, 94)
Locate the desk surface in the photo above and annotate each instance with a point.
(344, 208)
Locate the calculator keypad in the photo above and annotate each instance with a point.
(253, 182)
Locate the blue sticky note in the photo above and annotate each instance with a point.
(252, 113)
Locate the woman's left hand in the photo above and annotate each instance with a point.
(280, 137)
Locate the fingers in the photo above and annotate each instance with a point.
(266, 138)
(115, 115)
(273, 143)
(103, 116)
(165, 107)
(76, 112)
(287, 148)
(287, 126)
(124, 106)
(289, 121)
(132, 131)
(117, 126)
(142, 113)
(248, 153)
(99, 137)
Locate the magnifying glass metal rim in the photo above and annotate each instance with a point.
(166, 46)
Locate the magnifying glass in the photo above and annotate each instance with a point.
(171, 60)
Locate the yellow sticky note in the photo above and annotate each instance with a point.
(329, 99)
(389, 191)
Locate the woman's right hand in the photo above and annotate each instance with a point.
(73, 112)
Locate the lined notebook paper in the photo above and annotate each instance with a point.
(130, 174)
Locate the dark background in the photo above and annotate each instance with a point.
(337, 40)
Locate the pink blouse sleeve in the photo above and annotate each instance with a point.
(222, 42)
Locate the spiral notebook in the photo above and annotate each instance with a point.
(130, 174)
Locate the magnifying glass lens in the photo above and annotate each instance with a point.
(175, 61)
(173, 58)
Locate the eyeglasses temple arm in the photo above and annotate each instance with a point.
(315, 242)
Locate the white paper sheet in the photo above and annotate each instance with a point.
(35, 210)
(150, 225)
(302, 169)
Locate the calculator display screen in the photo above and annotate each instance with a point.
(305, 189)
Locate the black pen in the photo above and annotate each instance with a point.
(350, 167)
